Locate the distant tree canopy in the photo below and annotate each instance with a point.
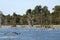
(37, 16)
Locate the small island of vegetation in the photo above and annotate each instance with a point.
(37, 16)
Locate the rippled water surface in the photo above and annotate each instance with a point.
(28, 34)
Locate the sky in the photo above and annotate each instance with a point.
(20, 6)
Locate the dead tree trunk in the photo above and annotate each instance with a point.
(29, 20)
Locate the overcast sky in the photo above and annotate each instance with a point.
(20, 6)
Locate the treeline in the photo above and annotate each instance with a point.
(37, 16)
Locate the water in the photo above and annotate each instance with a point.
(28, 34)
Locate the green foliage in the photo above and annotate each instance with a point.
(56, 15)
(37, 16)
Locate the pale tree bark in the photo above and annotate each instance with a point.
(0, 22)
(14, 21)
(29, 20)
(42, 19)
(32, 20)
(50, 18)
(0, 18)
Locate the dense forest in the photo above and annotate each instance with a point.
(37, 16)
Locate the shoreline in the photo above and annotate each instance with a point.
(34, 26)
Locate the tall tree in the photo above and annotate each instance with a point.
(14, 17)
(29, 16)
(1, 17)
(46, 14)
(56, 15)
